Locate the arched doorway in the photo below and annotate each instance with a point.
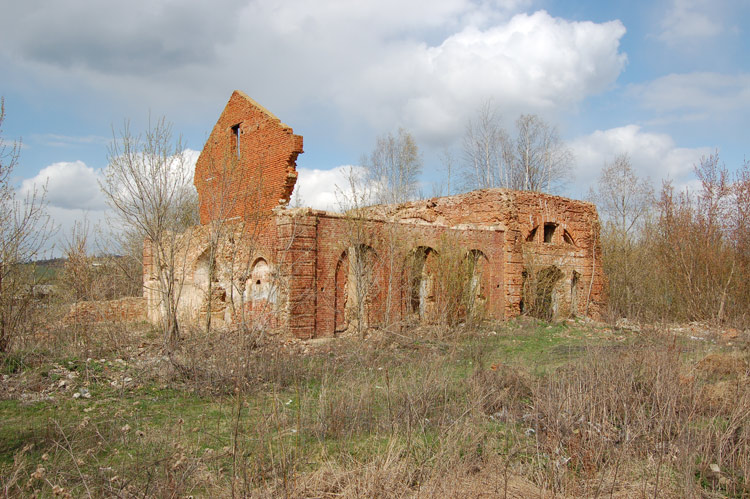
(259, 285)
(476, 263)
(420, 280)
(341, 280)
(540, 295)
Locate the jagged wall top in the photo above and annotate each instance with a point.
(248, 165)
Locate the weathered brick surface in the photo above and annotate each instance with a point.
(292, 268)
(254, 176)
(131, 309)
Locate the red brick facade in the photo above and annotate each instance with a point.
(325, 272)
(247, 166)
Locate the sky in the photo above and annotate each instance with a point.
(665, 81)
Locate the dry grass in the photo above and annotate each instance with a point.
(518, 409)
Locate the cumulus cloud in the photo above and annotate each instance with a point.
(424, 64)
(330, 189)
(69, 185)
(532, 63)
(652, 155)
(71, 191)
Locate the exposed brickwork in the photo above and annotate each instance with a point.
(297, 269)
(123, 310)
(251, 178)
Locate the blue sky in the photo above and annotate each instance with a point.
(666, 81)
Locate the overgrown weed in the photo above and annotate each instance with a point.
(518, 408)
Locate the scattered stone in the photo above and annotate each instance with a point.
(729, 334)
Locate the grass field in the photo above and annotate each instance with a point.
(516, 409)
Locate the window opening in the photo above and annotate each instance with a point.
(549, 230)
(236, 138)
(567, 237)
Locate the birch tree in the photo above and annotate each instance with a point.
(537, 157)
(483, 142)
(395, 165)
(147, 185)
(534, 159)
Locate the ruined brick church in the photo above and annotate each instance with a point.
(317, 273)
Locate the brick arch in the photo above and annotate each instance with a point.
(419, 280)
(260, 280)
(201, 269)
(357, 288)
(541, 291)
(341, 282)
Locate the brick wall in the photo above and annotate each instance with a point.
(123, 310)
(248, 165)
(245, 177)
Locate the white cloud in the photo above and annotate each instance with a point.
(691, 21)
(71, 191)
(652, 155)
(69, 185)
(424, 64)
(532, 63)
(329, 189)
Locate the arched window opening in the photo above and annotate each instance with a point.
(549, 231)
(421, 281)
(574, 293)
(260, 285)
(341, 278)
(568, 238)
(202, 270)
(475, 297)
(363, 287)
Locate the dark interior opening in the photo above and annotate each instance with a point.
(567, 237)
(549, 230)
(236, 139)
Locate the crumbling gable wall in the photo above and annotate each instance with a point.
(248, 165)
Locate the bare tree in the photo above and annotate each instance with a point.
(448, 163)
(537, 158)
(622, 197)
(483, 143)
(624, 201)
(395, 165)
(148, 187)
(25, 229)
